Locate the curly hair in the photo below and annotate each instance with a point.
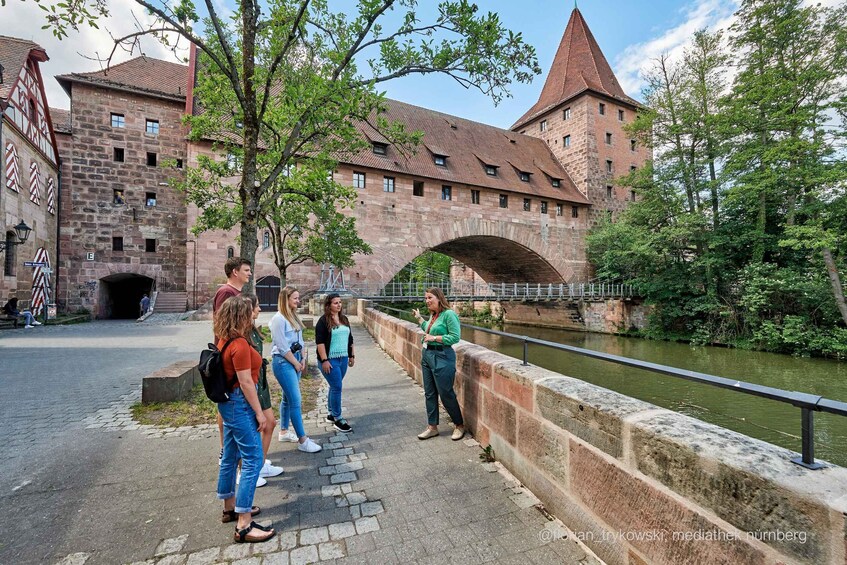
(234, 318)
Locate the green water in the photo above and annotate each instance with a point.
(767, 420)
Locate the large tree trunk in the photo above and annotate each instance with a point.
(249, 190)
(837, 289)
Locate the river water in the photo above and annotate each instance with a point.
(768, 420)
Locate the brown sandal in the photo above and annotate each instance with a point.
(246, 536)
(231, 515)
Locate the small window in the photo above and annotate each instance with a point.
(610, 192)
(491, 170)
(446, 192)
(380, 148)
(543, 207)
(417, 188)
(524, 176)
(566, 141)
(566, 114)
(504, 200)
(608, 165)
(32, 113)
(574, 211)
(632, 195)
(620, 115)
(118, 154)
(527, 204)
(117, 244)
(441, 160)
(556, 183)
(560, 209)
(608, 138)
(152, 127)
(388, 184)
(11, 254)
(150, 199)
(233, 163)
(151, 159)
(117, 196)
(150, 245)
(230, 252)
(632, 145)
(474, 197)
(602, 109)
(179, 163)
(118, 120)
(358, 179)
(266, 239)
(543, 125)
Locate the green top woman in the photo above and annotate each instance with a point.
(438, 362)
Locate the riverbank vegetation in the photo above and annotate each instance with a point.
(738, 232)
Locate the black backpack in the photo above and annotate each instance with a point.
(211, 367)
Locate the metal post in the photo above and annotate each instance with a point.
(525, 352)
(807, 460)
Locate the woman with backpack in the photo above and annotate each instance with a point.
(288, 365)
(243, 419)
(335, 353)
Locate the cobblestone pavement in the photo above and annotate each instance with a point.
(374, 495)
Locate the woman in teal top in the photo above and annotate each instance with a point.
(438, 362)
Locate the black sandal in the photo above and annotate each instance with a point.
(243, 536)
(231, 515)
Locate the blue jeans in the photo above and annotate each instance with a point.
(241, 440)
(289, 407)
(334, 378)
(27, 316)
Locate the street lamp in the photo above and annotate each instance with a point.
(22, 232)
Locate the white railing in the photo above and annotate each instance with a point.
(497, 291)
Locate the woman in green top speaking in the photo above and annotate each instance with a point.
(438, 362)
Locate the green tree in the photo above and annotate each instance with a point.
(281, 81)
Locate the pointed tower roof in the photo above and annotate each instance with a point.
(579, 66)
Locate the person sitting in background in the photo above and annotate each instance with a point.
(11, 309)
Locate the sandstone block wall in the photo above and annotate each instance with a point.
(638, 484)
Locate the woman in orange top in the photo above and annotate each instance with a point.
(243, 418)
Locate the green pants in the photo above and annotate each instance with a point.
(439, 373)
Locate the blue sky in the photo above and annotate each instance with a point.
(629, 32)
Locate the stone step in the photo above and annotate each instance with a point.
(170, 302)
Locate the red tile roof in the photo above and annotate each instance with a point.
(469, 146)
(143, 74)
(579, 66)
(13, 55)
(61, 120)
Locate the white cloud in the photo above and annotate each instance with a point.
(24, 20)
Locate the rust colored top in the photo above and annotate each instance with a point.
(240, 356)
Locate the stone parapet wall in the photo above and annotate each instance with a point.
(637, 483)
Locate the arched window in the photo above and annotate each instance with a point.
(9, 264)
(230, 252)
(266, 240)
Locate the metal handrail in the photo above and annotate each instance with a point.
(808, 403)
(496, 291)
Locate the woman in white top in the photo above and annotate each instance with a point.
(288, 364)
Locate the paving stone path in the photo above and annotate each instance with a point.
(373, 495)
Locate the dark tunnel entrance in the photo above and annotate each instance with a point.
(120, 295)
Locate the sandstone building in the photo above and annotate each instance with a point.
(29, 175)
(512, 205)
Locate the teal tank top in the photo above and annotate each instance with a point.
(338, 342)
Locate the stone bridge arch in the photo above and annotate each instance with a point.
(499, 251)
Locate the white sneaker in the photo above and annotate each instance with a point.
(36, 323)
(288, 435)
(309, 446)
(259, 483)
(269, 470)
(28, 326)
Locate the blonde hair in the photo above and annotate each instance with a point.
(286, 310)
(439, 296)
(234, 318)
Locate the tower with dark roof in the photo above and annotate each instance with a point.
(580, 114)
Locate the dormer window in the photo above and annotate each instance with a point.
(380, 148)
(557, 183)
(491, 170)
(441, 160)
(524, 176)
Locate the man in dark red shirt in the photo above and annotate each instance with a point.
(238, 272)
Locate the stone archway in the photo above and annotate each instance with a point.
(120, 295)
(500, 260)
